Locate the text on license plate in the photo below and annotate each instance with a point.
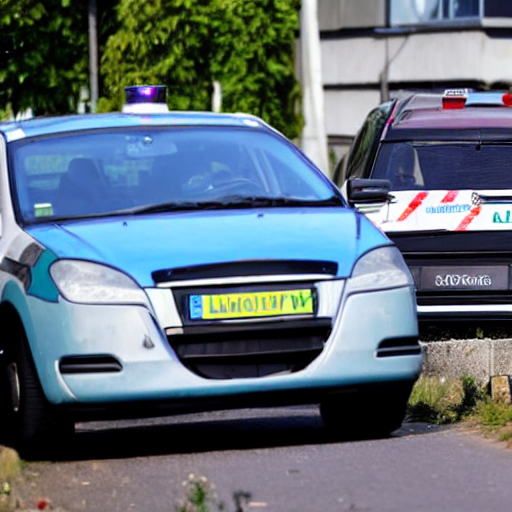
(248, 305)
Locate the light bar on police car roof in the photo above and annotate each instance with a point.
(507, 99)
(455, 98)
(489, 99)
(145, 99)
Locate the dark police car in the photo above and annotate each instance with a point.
(434, 172)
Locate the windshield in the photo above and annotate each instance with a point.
(145, 169)
(436, 166)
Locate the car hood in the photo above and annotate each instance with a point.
(140, 245)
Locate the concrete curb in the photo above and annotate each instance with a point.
(481, 359)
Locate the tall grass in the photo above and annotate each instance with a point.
(441, 401)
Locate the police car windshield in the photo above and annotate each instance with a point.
(111, 171)
(445, 166)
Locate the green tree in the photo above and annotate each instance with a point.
(160, 42)
(44, 53)
(246, 45)
(254, 60)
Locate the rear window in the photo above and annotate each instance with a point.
(442, 166)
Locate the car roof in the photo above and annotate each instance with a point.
(471, 117)
(422, 117)
(40, 126)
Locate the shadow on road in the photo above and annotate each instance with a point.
(231, 430)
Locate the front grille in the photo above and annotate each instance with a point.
(454, 244)
(246, 268)
(247, 349)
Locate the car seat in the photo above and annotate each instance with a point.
(401, 168)
(82, 189)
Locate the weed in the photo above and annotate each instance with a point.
(432, 401)
(472, 396)
(493, 418)
(10, 464)
(200, 496)
(493, 414)
(440, 401)
(9, 468)
(5, 500)
(506, 435)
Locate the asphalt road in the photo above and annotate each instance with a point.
(283, 458)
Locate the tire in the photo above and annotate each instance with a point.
(31, 425)
(366, 414)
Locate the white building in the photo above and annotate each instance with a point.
(375, 49)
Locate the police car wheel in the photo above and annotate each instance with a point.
(365, 414)
(31, 425)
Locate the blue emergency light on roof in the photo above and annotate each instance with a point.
(146, 94)
(145, 99)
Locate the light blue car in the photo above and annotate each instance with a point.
(155, 262)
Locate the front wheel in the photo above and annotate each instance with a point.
(29, 423)
(366, 414)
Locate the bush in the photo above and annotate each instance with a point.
(493, 414)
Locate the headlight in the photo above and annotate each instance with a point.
(379, 269)
(91, 283)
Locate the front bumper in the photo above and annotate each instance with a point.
(463, 312)
(152, 373)
(476, 254)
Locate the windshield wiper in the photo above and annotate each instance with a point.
(227, 202)
(171, 206)
(223, 203)
(262, 201)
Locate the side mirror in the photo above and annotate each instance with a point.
(367, 191)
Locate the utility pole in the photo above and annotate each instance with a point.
(93, 56)
(314, 138)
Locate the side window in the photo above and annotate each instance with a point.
(434, 12)
(359, 153)
(38, 178)
(362, 153)
(403, 169)
(59, 183)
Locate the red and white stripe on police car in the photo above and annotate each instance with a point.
(450, 210)
(435, 209)
(468, 219)
(450, 196)
(413, 205)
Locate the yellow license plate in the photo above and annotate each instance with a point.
(250, 305)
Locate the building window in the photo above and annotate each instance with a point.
(420, 12)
